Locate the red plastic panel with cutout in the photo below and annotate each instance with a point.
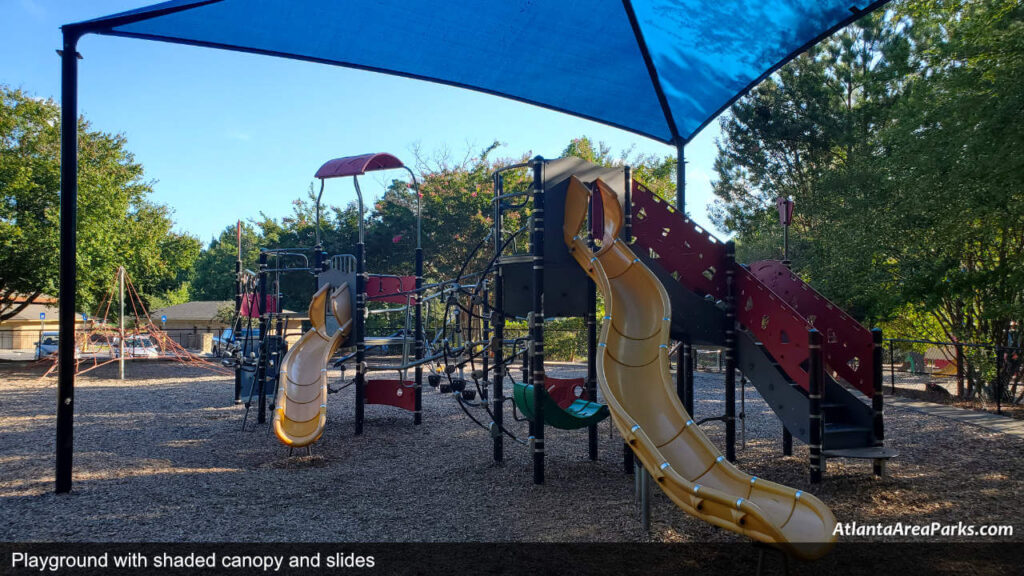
(250, 306)
(390, 288)
(391, 393)
(692, 255)
(847, 345)
(565, 391)
(696, 259)
(778, 327)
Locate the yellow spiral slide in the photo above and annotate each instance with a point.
(633, 372)
(301, 412)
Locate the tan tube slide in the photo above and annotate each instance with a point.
(633, 372)
(301, 412)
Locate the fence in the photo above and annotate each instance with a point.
(978, 371)
(25, 344)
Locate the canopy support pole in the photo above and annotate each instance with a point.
(68, 264)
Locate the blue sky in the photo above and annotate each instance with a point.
(227, 135)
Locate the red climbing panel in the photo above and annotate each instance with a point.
(391, 393)
(778, 327)
(390, 288)
(688, 252)
(847, 345)
(696, 259)
(565, 391)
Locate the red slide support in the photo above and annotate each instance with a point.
(847, 345)
(391, 393)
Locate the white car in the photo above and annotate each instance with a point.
(135, 347)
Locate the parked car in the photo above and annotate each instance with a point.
(47, 345)
(135, 347)
(225, 344)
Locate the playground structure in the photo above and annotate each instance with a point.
(633, 369)
(810, 361)
(132, 337)
(301, 404)
(703, 295)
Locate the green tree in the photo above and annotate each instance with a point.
(214, 270)
(900, 140)
(117, 225)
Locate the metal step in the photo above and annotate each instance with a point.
(848, 419)
(843, 435)
(866, 453)
(833, 411)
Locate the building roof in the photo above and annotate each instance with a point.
(199, 311)
(32, 311)
(41, 299)
(196, 311)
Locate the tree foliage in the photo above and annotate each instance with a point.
(456, 202)
(900, 140)
(117, 224)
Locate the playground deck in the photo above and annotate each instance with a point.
(161, 457)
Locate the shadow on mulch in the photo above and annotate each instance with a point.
(1014, 411)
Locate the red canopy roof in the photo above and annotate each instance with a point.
(357, 165)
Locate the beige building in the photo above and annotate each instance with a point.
(22, 331)
(192, 324)
(195, 324)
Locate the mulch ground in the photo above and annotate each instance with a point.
(162, 456)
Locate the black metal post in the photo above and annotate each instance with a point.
(815, 385)
(360, 335)
(681, 178)
(785, 245)
(627, 207)
(628, 459)
(498, 322)
(730, 351)
(591, 321)
(877, 399)
(65, 445)
(591, 317)
(959, 370)
(787, 437)
(261, 361)
(418, 406)
(537, 329)
(485, 326)
(276, 356)
(892, 368)
(238, 310)
(998, 384)
(689, 364)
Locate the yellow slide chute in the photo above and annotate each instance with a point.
(301, 412)
(633, 372)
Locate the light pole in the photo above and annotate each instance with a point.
(785, 206)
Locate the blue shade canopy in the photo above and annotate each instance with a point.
(659, 68)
